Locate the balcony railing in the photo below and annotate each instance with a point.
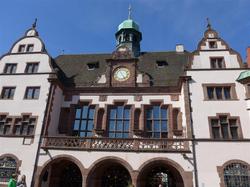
(115, 144)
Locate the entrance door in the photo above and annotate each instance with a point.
(159, 174)
(62, 173)
(116, 176)
(160, 177)
(109, 173)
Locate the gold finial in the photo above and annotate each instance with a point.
(129, 11)
(208, 24)
(34, 24)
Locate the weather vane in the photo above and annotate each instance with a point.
(34, 24)
(129, 11)
(208, 24)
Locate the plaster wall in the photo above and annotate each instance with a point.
(22, 60)
(219, 45)
(213, 154)
(204, 108)
(24, 148)
(29, 40)
(202, 61)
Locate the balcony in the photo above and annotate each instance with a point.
(115, 144)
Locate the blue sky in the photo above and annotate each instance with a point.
(88, 26)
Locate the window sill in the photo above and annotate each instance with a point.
(220, 99)
(6, 99)
(16, 136)
(30, 99)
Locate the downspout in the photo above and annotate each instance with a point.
(193, 136)
(45, 121)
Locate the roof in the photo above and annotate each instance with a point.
(75, 73)
(244, 75)
(129, 24)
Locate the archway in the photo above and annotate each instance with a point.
(61, 172)
(159, 173)
(109, 173)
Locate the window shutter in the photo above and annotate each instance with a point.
(177, 122)
(64, 120)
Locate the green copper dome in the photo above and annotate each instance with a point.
(244, 75)
(129, 24)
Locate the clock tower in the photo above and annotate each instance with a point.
(129, 36)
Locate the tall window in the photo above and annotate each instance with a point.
(32, 93)
(31, 68)
(217, 63)
(5, 124)
(24, 125)
(119, 122)
(10, 68)
(237, 175)
(84, 121)
(212, 44)
(224, 127)
(21, 48)
(8, 92)
(30, 47)
(157, 121)
(8, 166)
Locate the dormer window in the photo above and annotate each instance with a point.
(161, 63)
(21, 48)
(217, 63)
(31, 68)
(30, 48)
(93, 65)
(212, 44)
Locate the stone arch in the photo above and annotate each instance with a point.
(108, 160)
(185, 177)
(42, 169)
(220, 169)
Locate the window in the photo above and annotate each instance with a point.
(8, 92)
(84, 121)
(31, 68)
(10, 68)
(161, 63)
(32, 93)
(248, 90)
(93, 65)
(8, 166)
(212, 44)
(237, 174)
(225, 127)
(30, 47)
(157, 121)
(219, 91)
(5, 124)
(119, 121)
(217, 63)
(21, 48)
(24, 125)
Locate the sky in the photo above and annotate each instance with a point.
(89, 26)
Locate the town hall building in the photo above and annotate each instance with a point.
(125, 118)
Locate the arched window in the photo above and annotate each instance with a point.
(8, 166)
(237, 174)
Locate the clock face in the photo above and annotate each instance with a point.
(121, 74)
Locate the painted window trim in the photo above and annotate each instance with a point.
(232, 86)
(239, 129)
(13, 124)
